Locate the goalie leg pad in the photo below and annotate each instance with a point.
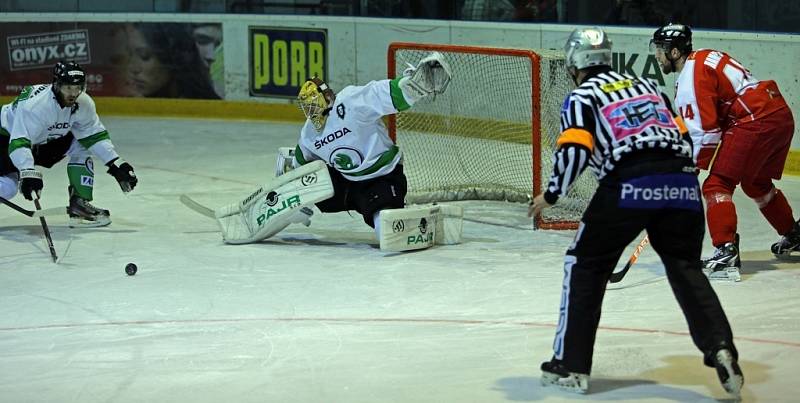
(407, 229)
(449, 225)
(275, 205)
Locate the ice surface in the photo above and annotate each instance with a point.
(319, 314)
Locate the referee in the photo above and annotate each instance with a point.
(624, 129)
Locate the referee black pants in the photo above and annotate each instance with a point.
(676, 234)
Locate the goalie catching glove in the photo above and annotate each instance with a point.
(431, 76)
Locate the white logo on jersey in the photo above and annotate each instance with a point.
(346, 159)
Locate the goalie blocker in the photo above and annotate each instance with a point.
(420, 227)
(285, 200)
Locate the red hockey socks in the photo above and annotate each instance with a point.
(720, 210)
(721, 217)
(778, 212)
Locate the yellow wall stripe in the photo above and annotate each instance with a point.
(241, 110)
(792, 166)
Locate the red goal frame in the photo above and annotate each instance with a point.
(535, 94)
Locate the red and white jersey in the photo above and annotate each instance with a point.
(715, 92)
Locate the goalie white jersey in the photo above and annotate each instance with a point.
(35, 117)
(354, 139)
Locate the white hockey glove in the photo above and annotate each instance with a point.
(431, 76)
(285, 161)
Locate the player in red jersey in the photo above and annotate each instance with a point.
(741, 130)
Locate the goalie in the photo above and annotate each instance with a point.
(353, 163)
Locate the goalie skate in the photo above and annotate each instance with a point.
(83, 214)
(554, 374)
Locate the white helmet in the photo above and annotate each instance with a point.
(587, 47)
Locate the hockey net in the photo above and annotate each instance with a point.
(491, 136)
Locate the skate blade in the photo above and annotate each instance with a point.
(76, 222)
(729, 274)
(574, 383)
(791, 255)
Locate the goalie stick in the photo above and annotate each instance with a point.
(34, 214)
(197, 207)
(616, 277)
(46, 232)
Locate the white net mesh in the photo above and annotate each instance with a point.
(477, 140)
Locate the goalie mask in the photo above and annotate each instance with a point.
(316, 100)
(587, 47)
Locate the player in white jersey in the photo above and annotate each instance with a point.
(345, 160)
(48, 122)
(346, 132)
(623, 128)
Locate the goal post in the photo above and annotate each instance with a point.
(491, 136)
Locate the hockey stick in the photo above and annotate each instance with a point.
(46, 231)
(616, 277)
(197, 207)
(37, 213)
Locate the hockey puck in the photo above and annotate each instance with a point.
(130, 269)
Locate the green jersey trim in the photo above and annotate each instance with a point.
(94, 139)
(384, 160)
(298, 155)
(17, 144)
(398, 99)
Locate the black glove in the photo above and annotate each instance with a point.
(124, 174)
(30, 183)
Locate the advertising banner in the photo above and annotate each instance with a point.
(282, 59)
(161, 60)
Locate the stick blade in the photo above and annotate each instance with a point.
(52, 211)
(616, 277)
(197, 207)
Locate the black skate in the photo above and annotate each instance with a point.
(725, 264)
(554, 373)
(788, 243)
(728, 371)
(83, 215)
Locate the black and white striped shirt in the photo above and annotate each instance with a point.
(608, 116)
